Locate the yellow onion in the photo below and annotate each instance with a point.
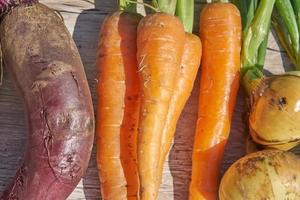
(275, 112)
(268, 174)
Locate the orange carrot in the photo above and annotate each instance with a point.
(188, 71)
(160, 43)
(220, 32)
(118, 107)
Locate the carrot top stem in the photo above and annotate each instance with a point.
(167, 6)
(219, 1)
(185, 12)
(247, 10)
(144, 4)
(127, 5)
(255, 34)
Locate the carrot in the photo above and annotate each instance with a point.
(160, 43)
(220, 32)
(118, 107)
(189, 66)
(185, 79)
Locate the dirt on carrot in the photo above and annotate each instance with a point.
(160, 44)
(118, 107)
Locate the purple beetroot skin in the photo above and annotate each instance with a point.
(45, 65)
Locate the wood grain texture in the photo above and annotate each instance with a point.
(83, 19)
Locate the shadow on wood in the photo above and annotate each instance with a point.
(13, 135)
(287, 65)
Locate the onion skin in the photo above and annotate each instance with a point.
(275, 112)
(268, 174)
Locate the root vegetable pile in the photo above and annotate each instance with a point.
(146, 68)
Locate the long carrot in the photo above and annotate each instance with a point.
(220, 32)
(185, 79)
(118, 107)
(183, 88)
(160, 43)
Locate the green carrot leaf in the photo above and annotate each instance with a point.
(167, 6)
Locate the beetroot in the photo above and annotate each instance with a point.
(44, 62)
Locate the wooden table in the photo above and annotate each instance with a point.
(83, 19)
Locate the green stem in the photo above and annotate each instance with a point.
(262, 51)
(296, 7)
(251, 11)
(144, 4)
(284, 41)
(219, 1)
(286, 12)
(127, 5)
(255, 34)
(243, 7)
(167, 6)
(185, 12)
(247, 9)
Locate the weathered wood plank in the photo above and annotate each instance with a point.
(83, 19)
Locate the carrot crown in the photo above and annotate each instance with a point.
(184, 9)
